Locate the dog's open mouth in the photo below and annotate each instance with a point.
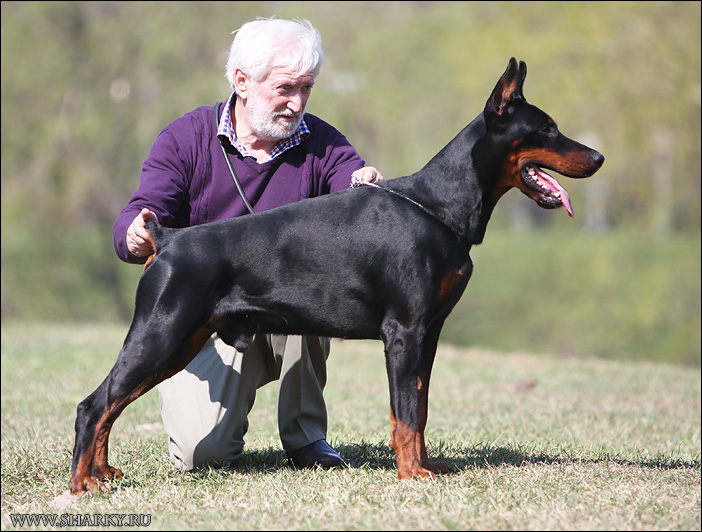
(544, 189)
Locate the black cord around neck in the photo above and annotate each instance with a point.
(229, 164)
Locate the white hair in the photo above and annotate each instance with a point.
(265, 43)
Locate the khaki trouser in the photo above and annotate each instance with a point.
(205, 407)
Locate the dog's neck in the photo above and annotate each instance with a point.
(448, 186)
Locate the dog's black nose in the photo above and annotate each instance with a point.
(597, 158)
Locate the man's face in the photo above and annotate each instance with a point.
(275, 105)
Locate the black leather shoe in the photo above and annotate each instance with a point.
(318, 453)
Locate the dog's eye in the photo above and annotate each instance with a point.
(549, 129)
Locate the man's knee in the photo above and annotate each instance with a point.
(208, 452)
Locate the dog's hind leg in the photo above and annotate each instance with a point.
(145, 360)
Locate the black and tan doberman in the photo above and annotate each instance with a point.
(385, 261)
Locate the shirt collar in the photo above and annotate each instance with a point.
(226, 130)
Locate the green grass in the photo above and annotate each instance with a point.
(536, 442)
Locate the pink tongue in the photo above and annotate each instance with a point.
(556, 186)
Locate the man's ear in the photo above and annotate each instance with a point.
(241, 83)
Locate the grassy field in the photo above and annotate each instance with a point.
(536, 443)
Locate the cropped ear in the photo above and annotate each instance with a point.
(508, 89)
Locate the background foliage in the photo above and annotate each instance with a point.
(87, 86)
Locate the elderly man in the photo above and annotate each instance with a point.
(260, 150)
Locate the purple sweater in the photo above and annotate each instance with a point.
(186, 181)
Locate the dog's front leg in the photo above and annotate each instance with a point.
(423, 411)
(428, 353)
(408, 405)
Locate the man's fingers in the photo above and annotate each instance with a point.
(367, 174)
(147, 215)
(138, 238)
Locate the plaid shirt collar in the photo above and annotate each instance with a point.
(226, 129)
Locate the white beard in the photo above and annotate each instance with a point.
(265, 125)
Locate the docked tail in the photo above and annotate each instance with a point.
(156, 230)
(156, 233)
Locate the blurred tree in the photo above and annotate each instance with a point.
(87, 86)
(95, 81)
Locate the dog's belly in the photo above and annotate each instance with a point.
(304, 309)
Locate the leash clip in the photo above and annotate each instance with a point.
(357, 181)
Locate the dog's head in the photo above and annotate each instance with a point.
(525, 140)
